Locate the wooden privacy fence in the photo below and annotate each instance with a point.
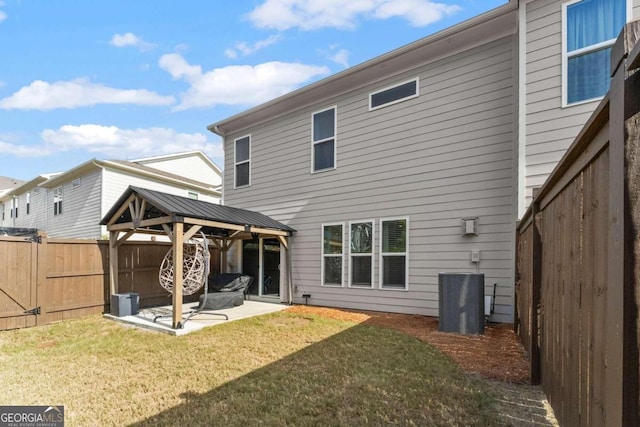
(578, 263)
(58, 279)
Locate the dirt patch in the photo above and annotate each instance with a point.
(497, 357)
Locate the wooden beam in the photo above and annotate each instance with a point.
(177, 274)
(168, 230)
(193, 230)
(126, 236)
(113, 262)
(227, 226)
(120, 211)
(143, 223)
(284, 241)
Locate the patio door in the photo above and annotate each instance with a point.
(261, 259)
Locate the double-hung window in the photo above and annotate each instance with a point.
(28, 206)
(394, 253)
(590, 28)
(323, 144)
(361, 254)
(332, 254)
(242, 154)
(57, 201)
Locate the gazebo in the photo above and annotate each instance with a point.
(145, 211)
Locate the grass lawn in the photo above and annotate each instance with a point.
(283, 369)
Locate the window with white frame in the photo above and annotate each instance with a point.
(17, 199)
(57, 201)
(394, 94)
(28, 205)
(394, 252)
(192, 195)
(243, 161)
(361, 254)
(323, 144)
(332, 254)
(590, 28)
(13, 208)
(76, 183)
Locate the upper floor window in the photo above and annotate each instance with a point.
(242, 159)
(76, 183)
(28, 205)
(57, 201)
(394, 94)
(323, 150)
(192, 195)
(590, 28)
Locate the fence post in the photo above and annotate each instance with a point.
(621, 404)
(536, 285)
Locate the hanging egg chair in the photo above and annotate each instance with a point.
(194, 267)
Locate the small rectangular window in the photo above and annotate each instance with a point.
(332, 255)
(361, 254)
(76, 183)
(242, 158)
(28, 203)
(57, 201)
(193, 195)
(590, 28)
(394, 251)
(323, 144)
(394, 94)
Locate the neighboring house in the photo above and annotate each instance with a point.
(421, 160)
(72, 203)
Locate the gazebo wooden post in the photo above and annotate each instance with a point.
(177, 273)
(113, 262)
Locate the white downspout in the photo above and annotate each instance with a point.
(522, 106)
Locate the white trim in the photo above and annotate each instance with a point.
(382, 254)
(335, 139)
(522, 110)
(236, 163)
(417, 94)
(566, 55)
(322, 255)
(371, 255)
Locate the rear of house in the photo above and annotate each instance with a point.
(377, 168)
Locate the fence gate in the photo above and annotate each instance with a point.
(18, 279)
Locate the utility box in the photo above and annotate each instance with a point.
(461, 302)
(125, 304)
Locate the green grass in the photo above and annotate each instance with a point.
(281, 369)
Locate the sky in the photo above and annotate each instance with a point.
(122, 79)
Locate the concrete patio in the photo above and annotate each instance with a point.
(145, 317)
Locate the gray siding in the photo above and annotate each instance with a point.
(550, 129)
(435, 159)
(80, 209)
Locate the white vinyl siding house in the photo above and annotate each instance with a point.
(433, 159)
(549, 122)
(71, 204)
(441, 170)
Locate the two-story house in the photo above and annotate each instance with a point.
(72, 203)
(421, 160)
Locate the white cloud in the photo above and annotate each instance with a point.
(113, 142)
(130, 39)
(247, 49)
(41, 95)
(339, 56)
(237, 85)
(314, 14)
